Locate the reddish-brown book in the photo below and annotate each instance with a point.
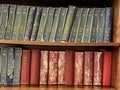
(78, 72)
(43, 67)
(61, 68)
(69, 68)
(97, 70)
(35, 68)
(53, 65)
(88, 68)
(25, 67)
(107, 56)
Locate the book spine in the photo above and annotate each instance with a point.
(36, 23)
(42, 24)
(35, 66)
(78, 71)
(44, 68)
(17, 65)
(61, 67)
(55, 24)
(0, 63)
(75, 25)
(68, 24)
(23, 22)
(16, 22)
(10, 66)
(88, 68)
(94, 26)
(25, 67)
(97, 75)
(61, 24)
(48, 25)
(9, 28)
(4, 20)
(108, 25)
(88, 27)
(29, 27)
(0, 13)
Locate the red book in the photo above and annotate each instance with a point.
(53, 65)
(35, 68)
(61, 68)
(25, 67)
(107, 57)
(43, 68)
(69, 68)
(97, 75)
(78, 72)
(88, 66)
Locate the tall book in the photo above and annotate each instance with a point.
(49, 24)
(75, 25)
(9, 28)
(69, 68)
(53, 68)
(107, 57)
(4, 20)
(44, 67)
(68, 24)
(36, 23)
(78, 70)
(0, 12)
(17, 65)
(25, 68)
(0, 63)
(88, 68)
(108, 24)
(30, 22)
(61, 23)
(42, 24)
(35, 66)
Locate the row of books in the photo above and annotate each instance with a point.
(55, 24)
(43, 67)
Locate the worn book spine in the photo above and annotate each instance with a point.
(0, 63)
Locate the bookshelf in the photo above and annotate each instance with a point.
(113, 46)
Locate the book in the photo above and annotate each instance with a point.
(36, 23)
(53, 68)
(0, 63)
(25, 67)
(17, 65)
(75, 25)
(0, 12)
(61, 23)
(48, 25)
(42, 23)
(35, 67)
(29, 26)
(9, 28)
(78, 70)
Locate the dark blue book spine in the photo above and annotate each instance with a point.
(36, 23)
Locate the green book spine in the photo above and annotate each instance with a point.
(23, 22)
(68, 24)
(94, 26)
(42, 24)
(88, 27)
(17, 66)
(55, 24)
(48, 25)
(75, 25)
(82, 24)
(16, 22)
(4, 20)
(61, 24)
(0, 64)
(9, 28)
(101, 26)
(0, 13)
(4, 52)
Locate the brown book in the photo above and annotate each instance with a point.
(69, 68)
(88, 68)
(78, 71)
(25, 67)
(35, 68)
